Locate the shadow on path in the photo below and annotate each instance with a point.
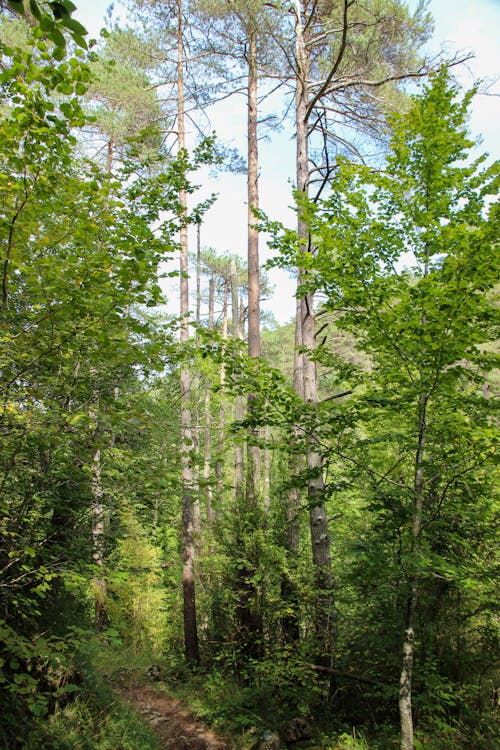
(175, 726)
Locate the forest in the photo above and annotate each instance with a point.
(218, 531)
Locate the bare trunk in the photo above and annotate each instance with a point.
(197, 425)
(405, 682)
(195, 469)
(207, 459)
(239, 408)
(253, 451)
(405, 708)
(198, 274)
(242, 318)
(266, 489)
(320, 539)
(100, 589)
(222, 413)
(110, 155)
(101, 620)
(290, 622)
(253, 203)
(207, 448)
(188, 536)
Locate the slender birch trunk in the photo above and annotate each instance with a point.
(405, 682)
(207, 447)
(195, 388)
(101, 619)
(222, 411)
(98, 552)
(239, 407)
(198, 274)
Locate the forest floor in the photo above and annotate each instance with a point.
(174, 725)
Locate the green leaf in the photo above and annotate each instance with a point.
(80, 41)
(35, 9)
(59, 53)
(75, 27)
(70, 688)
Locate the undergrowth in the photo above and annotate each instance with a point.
(95, 717)
(89, 717)
(93, 722)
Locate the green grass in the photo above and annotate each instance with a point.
(95, 718)
(86, 725)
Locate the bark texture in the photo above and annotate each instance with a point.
(253, 451)
(191, 647)
(97, 508)
(320, 539)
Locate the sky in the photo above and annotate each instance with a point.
(459, 26)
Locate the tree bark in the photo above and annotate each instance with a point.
(198, 274)
(253, 451)
(320, 539)
(289, 593)
(101, 620)
(266, 483)
(405, 682)
(207, 447)
(222, 412)
(239, 408)
(191, 647)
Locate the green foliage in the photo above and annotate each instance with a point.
(88, 370)
(53, 19)
(427, 331)
(122, 102)
(136, 604)
(95, 717)
(79, 265)
(37, 676)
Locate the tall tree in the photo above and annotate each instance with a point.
(78, 259)
(188, 580)
(425, 330)
(342, 51)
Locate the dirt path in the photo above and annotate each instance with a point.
(176, 728)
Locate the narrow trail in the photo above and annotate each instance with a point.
(174, 725)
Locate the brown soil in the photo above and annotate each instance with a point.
(176, 728)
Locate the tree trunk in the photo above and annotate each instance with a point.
(320, 539)
(110, 155)
(289, 593)
(195, 388)
(188, 538)
(253, 451)
(100, 589)
(207, 447)
(198, 274)
(405, 682)
(266, 484)
(239, 408)
(222, 414)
